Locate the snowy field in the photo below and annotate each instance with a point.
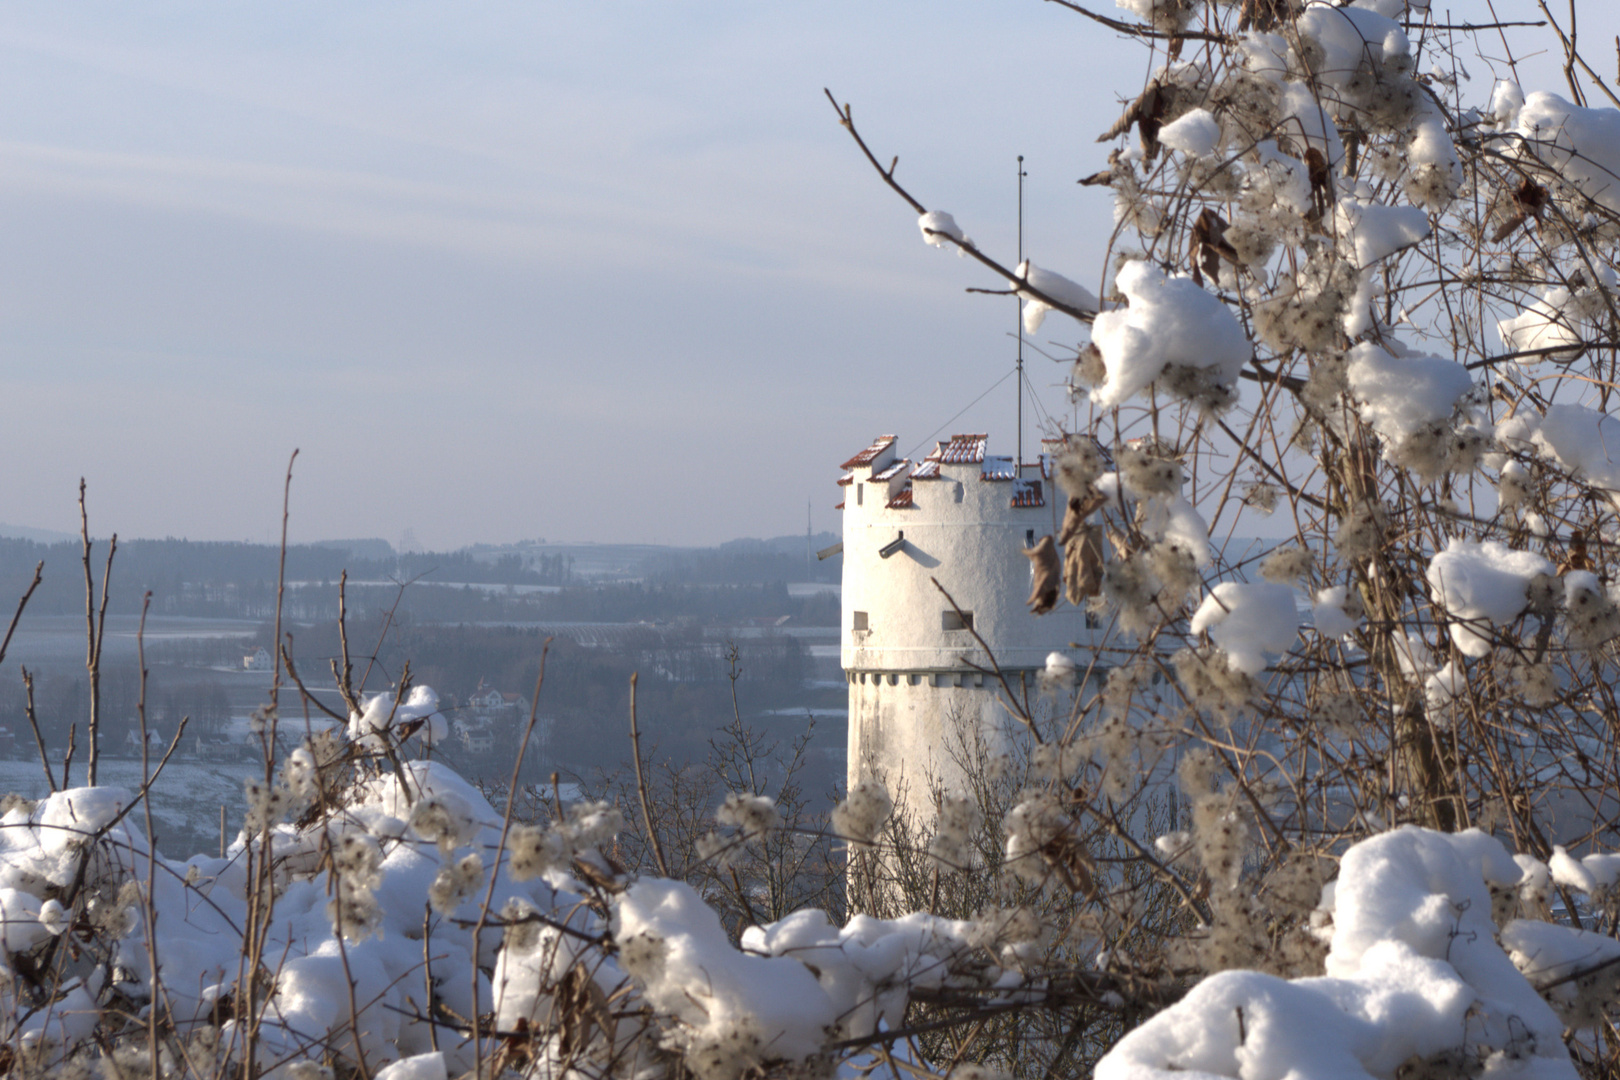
(43, 640)
(185, 800)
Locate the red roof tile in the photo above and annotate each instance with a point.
(927, 469)
(998, 468)
(847, 479)
(902, 499)
(870, 454)
(1029, 493)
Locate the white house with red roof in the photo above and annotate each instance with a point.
(960, 517)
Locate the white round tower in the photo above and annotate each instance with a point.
(958, 517)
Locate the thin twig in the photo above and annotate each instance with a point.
(5, 642)
(641, 785)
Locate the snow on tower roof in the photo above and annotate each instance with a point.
(901, 500)
(962, 450)
(892, 470)
(870, 454)
(998, 468)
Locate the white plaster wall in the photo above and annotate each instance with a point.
(974, 549)
(903, 731)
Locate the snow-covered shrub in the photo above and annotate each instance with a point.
(1355, 287)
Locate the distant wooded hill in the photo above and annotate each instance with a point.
(238, 580)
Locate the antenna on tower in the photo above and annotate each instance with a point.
(1019, 301)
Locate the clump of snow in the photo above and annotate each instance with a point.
(1196, 133)
(1413, 972)
(1434, 171)
(1060, 670)
(1373, 231)
(1052, 285)
(1580, 970)
(1581, 145)
(1506, 102)
(735, 1008)
(1163, 513)
(939, 229)
(1547, 328)
(1247, 621)
(1479, 583)
(1168, 323)
(1407, 398)
(1348, 39)
(381, 716)
(1445, 686)
(1584, 441)
(1334, 612)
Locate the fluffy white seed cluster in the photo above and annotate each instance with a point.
(642, 955)
(537, 850)
(1058, 761)
(1591, 618)
(1360, 533)
(1167, 17)
(357, 865)
(14, 801)
(1339, 713)
(1261, 496)
(111, 907)
(1211, 684)
(267, 804)
(1203, 387)
(1220, 838)
(300, 777)
(956, 824)
(752, 815)
(1147, 472)
(1089, 372)
(1310, 316)
(1120, 688)
(1037, 829)
(298, 1070)
(262, 719)
(1079, 464)
(455, 882)
(728, 1053)
(1115, 742)
(1537, 684)
(1143, 586)
(441, 823)
(1286, 565)
(862, 814)
(1438, 448)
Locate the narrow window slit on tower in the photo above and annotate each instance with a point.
(951, 619)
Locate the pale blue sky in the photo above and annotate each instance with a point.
(584, 271)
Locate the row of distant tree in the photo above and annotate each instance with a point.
(238, 580)
(684, 679)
